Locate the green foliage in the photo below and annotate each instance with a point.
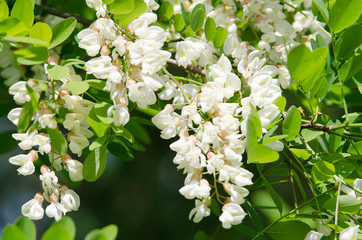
(210, 29)
(165, 12)
(64, 229)
(220, 37)
(23, 10)
(344, 13)
(289, 230)
(95, 164)
(197, 17)
(61, 31)
(292, 123)
(58, 141)
(121, 6)
(139, 7)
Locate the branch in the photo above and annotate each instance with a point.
(316, 126)
(87, 22)
(190, 68)
(56, 12)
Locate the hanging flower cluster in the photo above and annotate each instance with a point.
(222, 100)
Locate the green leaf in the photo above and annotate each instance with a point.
(303, 154)
(309, 134)
(108, 1)
(122, 131)
(165, 12)
(220, 37)
(120, 150)
(56, 232)
(28, 227)
(210, 28)
(255, 218)
(97, 84)
(292, 123)
(347, 204)
(178, 22)
(349, 41)
(139, 8)
(58, 141)
(95, 164)
(99, 142)
(68, 223)
(344, 168)
(262, 154)
(77, 87)
(200, 235)
(322, 171)
(299, 184)
(296, 230)
(305, 66)
(197, 17)
(121, 6)
(274, 195)
(61, 31)
(25, 117)
(97, 125)
(107, 233)
(110, 231)
(4, 10)
(350, 68)
(251, 134)
(13, 27)
(57, 72)
(356, 148)
(34, 41)
(280, 102)
(24, 11)
(101, 112)
(41, 31)
(344, 13)
(31, 55)
(184, 14)
(322, 9)
(73, 61)
(12, 232)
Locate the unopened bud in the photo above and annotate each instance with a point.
(52, 60)
(44, 169)
(34, 155)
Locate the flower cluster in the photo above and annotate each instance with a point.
(50, 96)
(205, 105)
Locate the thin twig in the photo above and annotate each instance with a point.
(62, 14)
(190, 68)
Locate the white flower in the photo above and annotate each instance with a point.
(54, 210)
(141, 94)
(100, 67)
(201, 210)
(49, 182)
(98, 6)
(232, 214)
(43, 142)
(75, 169)
(47, 120)
(27, 140)
(313, 235)
(350, 233)
(194, 188)
(69, 200)
(25, 162)
(237, 193)
(20, 92)
(14, 115)
(77, 143)
(33, 209)
(121, 115)
(90, 41)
